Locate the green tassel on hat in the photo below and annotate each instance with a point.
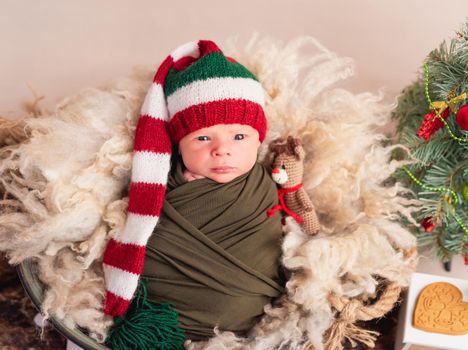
(146, 326)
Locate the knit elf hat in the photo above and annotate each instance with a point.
(194, 87)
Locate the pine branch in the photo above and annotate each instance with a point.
(440, 170)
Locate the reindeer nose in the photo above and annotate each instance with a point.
(275, 171)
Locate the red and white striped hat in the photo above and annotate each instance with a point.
(195, 87)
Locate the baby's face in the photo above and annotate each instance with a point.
(221, 152)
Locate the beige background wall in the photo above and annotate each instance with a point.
(59, 47)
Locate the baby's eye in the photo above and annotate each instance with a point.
(202, 138)
(241, 138)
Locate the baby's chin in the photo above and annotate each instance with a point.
(223, 178)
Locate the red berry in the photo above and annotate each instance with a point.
(428, 224)
(431, 124)
(462, 117)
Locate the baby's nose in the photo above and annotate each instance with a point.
(221, 149)
(221, 152)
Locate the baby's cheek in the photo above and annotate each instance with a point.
(189, 176)
(249, 155)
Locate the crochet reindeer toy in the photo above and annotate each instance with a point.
(287, 171)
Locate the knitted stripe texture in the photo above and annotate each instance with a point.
(195, 87)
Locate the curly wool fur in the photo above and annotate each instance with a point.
(65, 176)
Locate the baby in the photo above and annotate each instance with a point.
(197, 230)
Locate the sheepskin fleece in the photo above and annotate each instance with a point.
(64, 177)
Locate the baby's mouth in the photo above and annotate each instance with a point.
(222, 169)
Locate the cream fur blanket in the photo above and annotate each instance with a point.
(64, 176)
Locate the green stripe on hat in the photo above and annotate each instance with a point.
(212, 65)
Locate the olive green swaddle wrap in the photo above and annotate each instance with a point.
(215, 254)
